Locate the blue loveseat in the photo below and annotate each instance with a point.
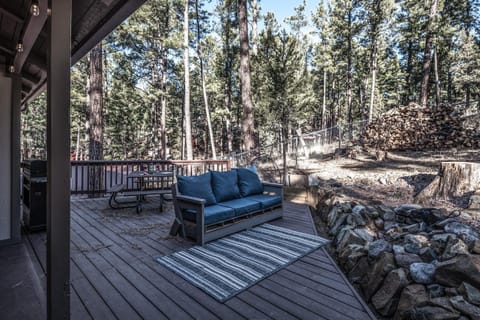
(218, 203)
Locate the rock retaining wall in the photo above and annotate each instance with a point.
(408, 262)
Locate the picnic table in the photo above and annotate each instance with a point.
(146, 183)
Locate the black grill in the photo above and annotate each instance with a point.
(34, 194)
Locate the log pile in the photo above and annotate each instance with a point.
(417, 127)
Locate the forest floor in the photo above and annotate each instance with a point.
(393, 181)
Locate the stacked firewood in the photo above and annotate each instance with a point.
(417, 127)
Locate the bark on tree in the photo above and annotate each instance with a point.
(349, 75)
(255, 27)
(95, 113)
(454, 179)
(427, 56)
(186, 102)
(437, 79)
(324, 101)
(204, 88)
(248, 127)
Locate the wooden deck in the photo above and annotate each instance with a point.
(114, 274)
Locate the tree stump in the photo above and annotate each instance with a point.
(454, 179)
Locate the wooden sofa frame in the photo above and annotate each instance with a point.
(205, 233)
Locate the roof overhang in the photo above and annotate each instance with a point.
(92, 20)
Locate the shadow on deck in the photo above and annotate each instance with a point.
(114, 274)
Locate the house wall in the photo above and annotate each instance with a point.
(5, 156)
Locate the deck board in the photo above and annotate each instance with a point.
(114, 274)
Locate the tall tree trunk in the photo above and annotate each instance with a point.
(95, 127)
(349, 75)
(186, 102)
(228, 84)
(374, 78)
(427, 56)
(248, 121)
(255, 27)
(204, 88)
(437, 79)
(163, 102)
(324, 100)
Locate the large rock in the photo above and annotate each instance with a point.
(466, 308)
(435, 291)
(423, 273)
(431, 313)
(385, 300)
(338, 223)
(359, 270)
(454, 247)
(411, 296)
(462, 268)
(467, 233)
(475, 247)
(376, 248)
(351, 254)
(404, 260)
(375, 275)
(415, 242)
(470, 292)
(347, 236)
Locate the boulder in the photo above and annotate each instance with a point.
(435, 291)
(475, 247)
(431, 313)
(404, 260)
(385, 300)
(359, 270)
(397, 249)
(466, 233)
(470, 292)
(347, 236)
(428, 254)
(375, 275)
(411, 296)
(454, 247)
(379, 223)
(466, 308)
(351, 254)
(423, 273)
(376, 248)
(414, 242)
(462, 268)
(341, 220)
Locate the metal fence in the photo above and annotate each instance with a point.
(97, 177)
(315, 144)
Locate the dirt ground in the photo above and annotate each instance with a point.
(393, 181)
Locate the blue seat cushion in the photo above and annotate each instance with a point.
(198, 187)
(225, 185)
(248, 182)
(242, 206)
(213, 214)
(266, 200)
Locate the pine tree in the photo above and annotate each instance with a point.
(248, 125)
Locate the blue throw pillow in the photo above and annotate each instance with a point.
(225, 185)
(197, 186)
(248, 182)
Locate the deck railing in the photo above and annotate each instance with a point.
(96, 177)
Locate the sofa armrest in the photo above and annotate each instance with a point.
(189, 199)
(273, 188)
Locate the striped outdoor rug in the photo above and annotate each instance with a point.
(228, 266)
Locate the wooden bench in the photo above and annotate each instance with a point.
(119, 190)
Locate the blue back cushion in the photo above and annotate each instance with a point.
(248, 182)
(225, 185)
(197, 186)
